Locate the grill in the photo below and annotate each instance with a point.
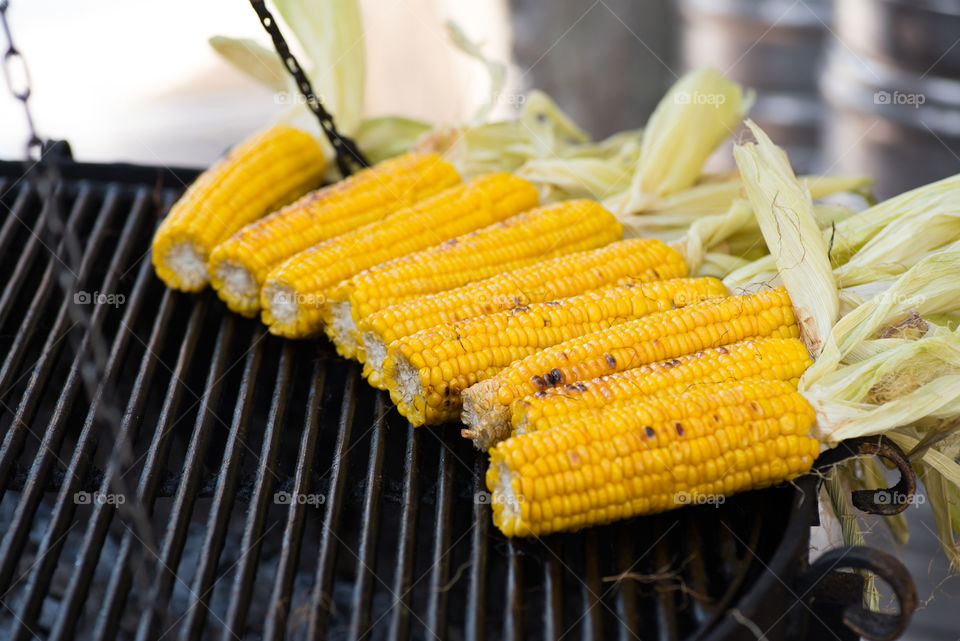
(261, 490)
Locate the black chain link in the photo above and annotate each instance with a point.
(346, 149)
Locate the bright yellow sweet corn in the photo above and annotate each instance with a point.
(294, 293)
(783, 359)
(239, 265)
(625, 261)
(533, 236)
(264, 172)
(427, 371)
(665, 335)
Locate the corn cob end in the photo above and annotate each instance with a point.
(235, 285)
(341, 328)
(281, 309)
(402, 378)
(488, 422)
(180, 263)
(372, 352)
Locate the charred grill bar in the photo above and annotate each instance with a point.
(254, 487)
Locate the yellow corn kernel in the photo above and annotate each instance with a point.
(239, 265)
(661, 336)
(533, 236)
(768, 358)
(658, 454)
(415, 370)
(625, 261)
(267, 170)
(294, 293)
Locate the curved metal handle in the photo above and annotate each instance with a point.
(884, 501)
(878, 626)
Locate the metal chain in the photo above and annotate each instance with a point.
(346, 149)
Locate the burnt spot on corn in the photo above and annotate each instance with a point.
(581, 387)
(671, 363)
(539, 382)
(679, 427)
(722, 350)
(649, 431)
(556, 375)
(519, 309)
(611, 361)
(540, 394)
(552, 302)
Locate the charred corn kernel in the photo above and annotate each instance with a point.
(426, 372)
(294, 293)
(711, 441)
(633, 260)
(554, 230)
(766, 358)
(267, 170)
(239, 265)
(665, 335)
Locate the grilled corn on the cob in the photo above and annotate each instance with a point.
(239, 265)
(626, 261)
(260, 174)
(426, 372)
(533, 236)
(294, 293)
(711, 441)
(661, 336)
(768, 358)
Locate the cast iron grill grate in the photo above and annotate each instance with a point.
(390, 537)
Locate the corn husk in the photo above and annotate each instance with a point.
(784, 211)
(698, 113)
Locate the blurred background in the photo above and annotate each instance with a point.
(847, 86)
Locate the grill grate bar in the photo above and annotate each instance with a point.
(513, 619)
(120, 575)
(591, 622)
(400, 612)
(289, 554)
(476, 590)
(12, 543)
(666, 606)
(626, 588)
(321, 599)
(552, 593)
(13, 440)
(99, 521)
(439, 573)
(253, 530)
(366, 558)
(216, 529)
(17, 217)
(27, 255)
(176, 532)
(53, 435)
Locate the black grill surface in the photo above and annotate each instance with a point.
(218, 424)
